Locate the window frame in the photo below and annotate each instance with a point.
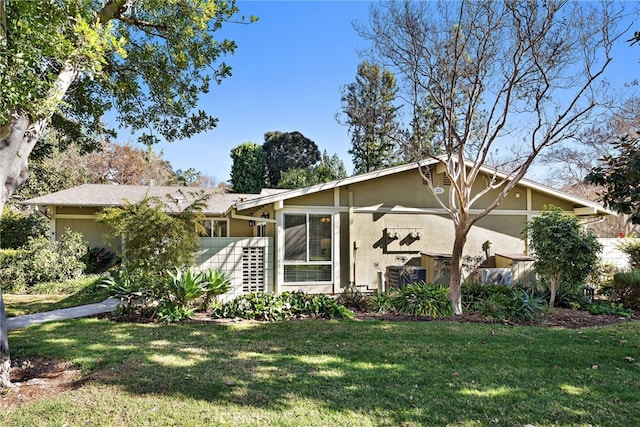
(212, 220)
(308, 251)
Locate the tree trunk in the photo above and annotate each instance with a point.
(455, 278)
(553, 286)
(5, 360)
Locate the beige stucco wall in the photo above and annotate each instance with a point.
(374, 253)
(92, 232)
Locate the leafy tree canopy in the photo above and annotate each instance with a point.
(564, 252)
(286, 151)
(249, 167)
(328, 169)
(620, 177)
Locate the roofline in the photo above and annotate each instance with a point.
(525, 182)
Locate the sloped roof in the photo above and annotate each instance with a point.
(105, 195)
(526, 183)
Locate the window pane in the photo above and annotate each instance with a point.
(206, 224)
(320, 237)
(219, 228)
(307, 273)
(295, 237)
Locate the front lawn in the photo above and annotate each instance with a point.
(344, 373)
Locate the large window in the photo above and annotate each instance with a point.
(214, 227)
(307, 248)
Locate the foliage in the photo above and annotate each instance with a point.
(16, 228)
(169, 312)
(183, 287)
(98, 260)
(626, 288)
(473, 293)
(329, 168)
(40, 260)
(516, 305)
(133, 289)
(159, 55)
(632, 249)
(351, 297)
(154, 239)
(286, 151)
(216, 283)
(564, 252)
(286, 306)
(620, 177)
(372, 117)
(249, 168)
(609, 308)
(422, 299)
(380, 302)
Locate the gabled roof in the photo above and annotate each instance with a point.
(106, 195)
(526, 183)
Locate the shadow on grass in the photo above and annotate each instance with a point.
(428, 373)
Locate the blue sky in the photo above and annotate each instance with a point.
(288, 71)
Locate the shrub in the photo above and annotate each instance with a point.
(380, 302)
(43, 261)
(626, 288)
(422, 299)
(215, 283)
(632, 250)
(16, 228)
(609, 308)
(353, 298)
(288, 305)
(98, 260)
(516, 305)
(565, 253)
(132, 288)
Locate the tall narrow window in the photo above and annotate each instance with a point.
(308, 248)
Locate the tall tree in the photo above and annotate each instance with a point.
(65, 63)
(249, 168)
(286, 151)
(328, 169)
(495, 72)
(372, 117)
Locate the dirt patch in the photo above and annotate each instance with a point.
(38, 378)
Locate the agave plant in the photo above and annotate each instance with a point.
(215, 283)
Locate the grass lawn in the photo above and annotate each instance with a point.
(343, 373)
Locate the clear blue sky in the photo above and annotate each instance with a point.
(288, 71)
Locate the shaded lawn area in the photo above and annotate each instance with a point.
(21, 304)
(345, 373)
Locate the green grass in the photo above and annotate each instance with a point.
(343, 373)
(53, 296)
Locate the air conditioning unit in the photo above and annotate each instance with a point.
(497, 276)
(400, 275)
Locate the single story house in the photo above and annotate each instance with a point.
(322, 238)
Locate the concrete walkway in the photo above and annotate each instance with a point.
(105, 306)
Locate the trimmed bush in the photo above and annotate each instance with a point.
(288, 305)
(626, 288)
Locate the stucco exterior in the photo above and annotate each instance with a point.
(347, 232)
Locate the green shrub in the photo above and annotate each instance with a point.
(422, 299)
(40, 260)
(215, 283)
(132, 288)
(632, 250)
(353, 298)
(472, 293)
(288, 305)
(626, 288)
(98, 260)
(516, 306)
(609, 308)
(380, 302)
(16, 228)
